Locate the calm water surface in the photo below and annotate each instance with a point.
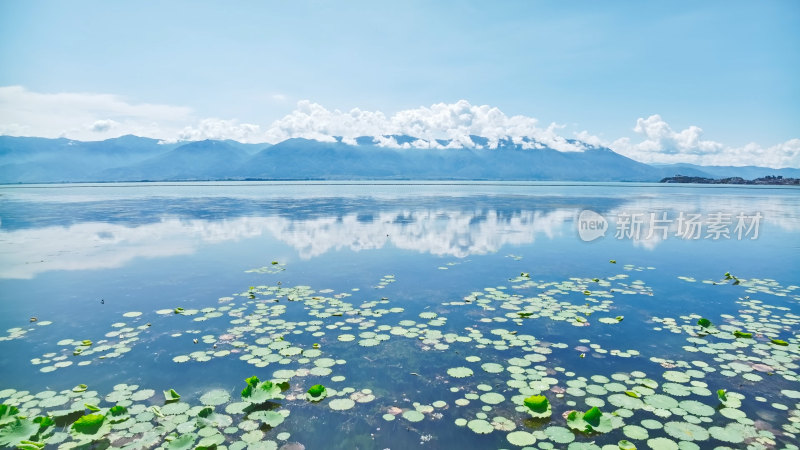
(435, 310)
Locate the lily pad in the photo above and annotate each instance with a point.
(270, 418)
(459, 372)
(257, 392)
(215, 397)
(341, 404)
(521, 438)
(171, 395)
(538, 406)
(592, 421)
(480, 426)
(413, 415)
(16, 432)
(316, 393)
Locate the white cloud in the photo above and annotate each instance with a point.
(222, 129)
(91, 116)
(95, 245)
(661, 144)
(450, 121)
(101, 126)
(84, 115)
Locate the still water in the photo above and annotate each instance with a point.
(429, 313)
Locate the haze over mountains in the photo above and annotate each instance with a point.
(132, 158)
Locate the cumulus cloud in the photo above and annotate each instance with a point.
(91, 116)
(659, 143)
(453, 122)
(221, 129)
(100, 126)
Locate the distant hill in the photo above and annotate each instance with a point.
(746, 172)
(307, 159)
(201, 160)
(132, 158)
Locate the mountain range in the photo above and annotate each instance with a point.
(133, 158)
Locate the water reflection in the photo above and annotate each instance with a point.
(96, 245)
(46, 235)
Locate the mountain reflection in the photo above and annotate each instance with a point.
(39, 233)
(96, 245)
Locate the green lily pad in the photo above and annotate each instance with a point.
(171, 395)
(117, 414)
(270, 418)
(459, 372)
(662, 443)
(538, 406)
(8, 413)
(521, 438)
(413, 415)
(90, 427)
(341, 404)
(12, 434)
(480, 426)
(215, 397)
(316, 393)
(592, 421)
(257, 392)
(183, 442)
(686, 431)
(626, 445)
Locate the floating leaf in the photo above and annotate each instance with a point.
(341, 404)
(208, 418)
(626, 445)
(631, 394)
(459, 372)
(480, 426)
(90, 407)
(183, 442)
(779, 342)
(722, 394)
(592, 421)
(703, 322)
(17, 431)
(171, 395)
(521, 438)
(413, 415)
(215, 397)
(538, 406)
(90, 427)
(257, 392)
(118, 414)
(686, 431)
(316, 393)
(741, 334)
(80, 388)
(8, 413)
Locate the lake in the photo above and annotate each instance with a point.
(400, 315)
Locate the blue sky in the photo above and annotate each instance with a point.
(728, 67)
